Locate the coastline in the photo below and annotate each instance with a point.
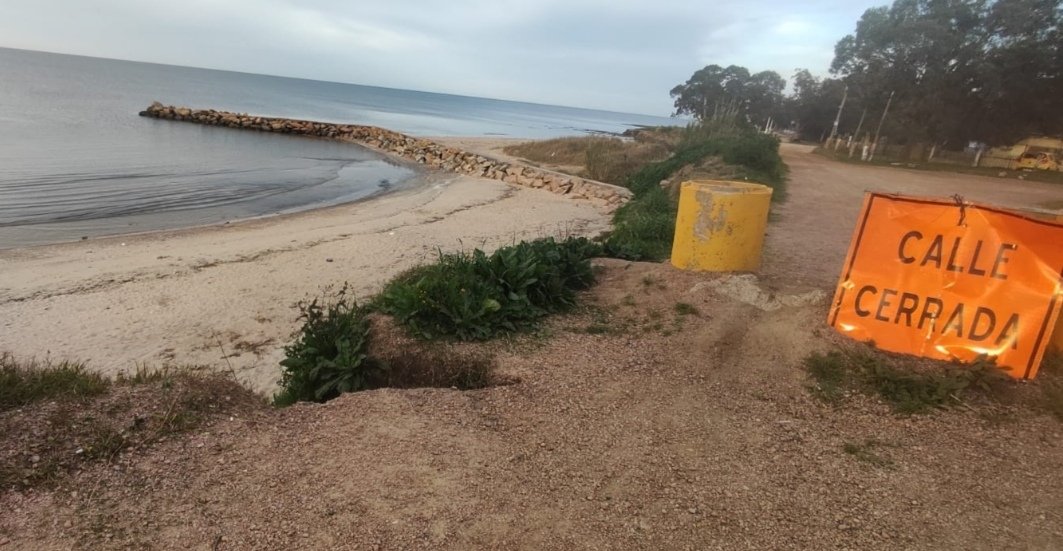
(222, 295)
(419, 179)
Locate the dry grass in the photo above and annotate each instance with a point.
(610, 160)
(44, 438)
(26, 383)
(558, 151)
(614, 162)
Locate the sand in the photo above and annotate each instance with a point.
(224, 296)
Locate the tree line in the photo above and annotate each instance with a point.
(951, 71)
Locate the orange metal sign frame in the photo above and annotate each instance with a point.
(951, 280)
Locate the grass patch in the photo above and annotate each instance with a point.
(685, 309)
(22, 384)
(562, 151)
(615, 160)
(909, 385)
(866, 452)
(43, 439)
(643, 229)
(605, 322)
(609, 160)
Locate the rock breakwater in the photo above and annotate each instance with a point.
(418, 150)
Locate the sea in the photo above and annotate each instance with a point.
(76, 162)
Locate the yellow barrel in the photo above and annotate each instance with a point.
(720, 226)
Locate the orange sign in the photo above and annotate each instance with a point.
(953, 281)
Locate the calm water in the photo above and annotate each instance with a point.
(76, 160)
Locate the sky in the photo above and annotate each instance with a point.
(607, 54)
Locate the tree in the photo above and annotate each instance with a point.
(1021, 92)
(714, 88)
(961, 70)
(814, 104)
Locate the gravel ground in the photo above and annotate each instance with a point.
(628, 426)
(667, 432)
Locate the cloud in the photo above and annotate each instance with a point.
(612, 54)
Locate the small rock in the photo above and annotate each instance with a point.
(328, 260)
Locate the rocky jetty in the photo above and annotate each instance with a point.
(418, 150)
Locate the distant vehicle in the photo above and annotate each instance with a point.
(1037, 161)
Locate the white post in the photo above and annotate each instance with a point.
(879, 129)
(838, 117)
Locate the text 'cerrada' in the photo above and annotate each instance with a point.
(951, 281)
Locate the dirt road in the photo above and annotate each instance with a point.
(810, 232)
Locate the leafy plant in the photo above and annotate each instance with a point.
(330, 353)
(476, 296)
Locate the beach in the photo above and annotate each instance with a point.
(223, 296)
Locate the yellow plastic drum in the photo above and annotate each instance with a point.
(720, 226)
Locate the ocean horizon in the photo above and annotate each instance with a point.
(77, 162)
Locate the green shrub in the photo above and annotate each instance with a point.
(22, 384)
(643, 229)
(330, 353)
(476, 296)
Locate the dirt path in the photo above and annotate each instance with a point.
(810, 232)
(662, 432)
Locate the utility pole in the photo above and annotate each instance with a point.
(838, 117)
(856, 135)
(878, 130)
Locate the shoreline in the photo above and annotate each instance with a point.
(418, 180)
(223, 294)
